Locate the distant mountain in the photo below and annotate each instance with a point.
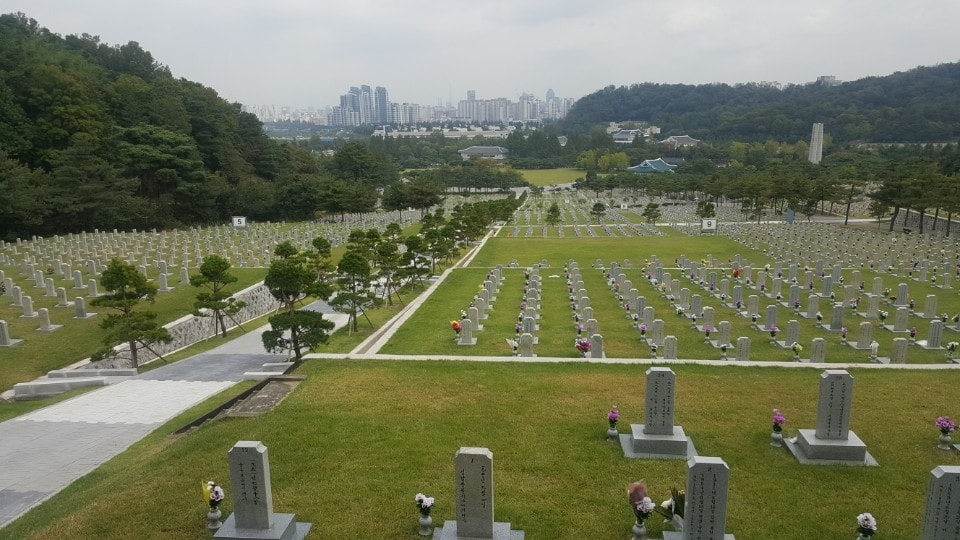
(919, 105)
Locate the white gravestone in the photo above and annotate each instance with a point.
(5, 339)
(252, 498)
(658, 437)
(705, 511)
(832, 442)
(941, 518)
(473, 481)
(596, 346)
(466, 333)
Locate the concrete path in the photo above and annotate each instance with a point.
(44, 451)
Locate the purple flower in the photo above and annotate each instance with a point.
(778, 420)
(613, 417)
(945, 424)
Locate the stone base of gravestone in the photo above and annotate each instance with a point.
(638, 444)
(923, 343)
(50, 328)
(890, 328)
(855, 345)
(467, 341)
(809, 450)
(501, 531)
(285, 527)
(11, 343)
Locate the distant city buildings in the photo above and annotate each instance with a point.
(362, 105)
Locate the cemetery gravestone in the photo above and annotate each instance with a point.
(5, 339)
(473, 481)
(705, 511)
(658, 437)
(832, 442)
(743, 349)
(670, 348)
(898, 351)
(466, 333)
(941, 519)
(252, 497)
(596, 346)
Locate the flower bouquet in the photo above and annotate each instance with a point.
(773, 332)
(641, 505)
(945, 425)
(778, 421)
(643, 330)
(843, 334)
(613, 417)
(913, 332)
(582, 345)
(424, 504)
(866, 525)
(672, 508)
(882, 315)
(214, 494)
(706, 331)
(952, 348)
(796, 348)
(455, 325)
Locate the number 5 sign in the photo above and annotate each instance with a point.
(239, 221)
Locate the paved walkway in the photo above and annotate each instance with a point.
(44, 451)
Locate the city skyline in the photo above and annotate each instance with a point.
(366, 105)
(304, 54)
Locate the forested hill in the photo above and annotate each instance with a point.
(93, 135)
(920, 105)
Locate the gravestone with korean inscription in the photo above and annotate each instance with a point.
(252, 498)
(832, 442)
(941, 518)
(473, 484)
(705, 511)
(658, 437)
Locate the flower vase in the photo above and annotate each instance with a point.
(613, 435)
(862, 536)
(426, 525)
(776, 439)
(945, 441)
(213, 518)
(639, 531)
(677, 522)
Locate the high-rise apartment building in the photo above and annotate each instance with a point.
(381, 106)
(361, 105)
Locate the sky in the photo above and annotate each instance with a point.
(308, 52)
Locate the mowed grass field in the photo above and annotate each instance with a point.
(358, 438)
(547, 177)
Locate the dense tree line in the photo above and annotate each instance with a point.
(767, 179)
(919, 105)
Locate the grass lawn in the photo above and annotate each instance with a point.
(353, 444)
(357, 439)
(546, 177)
(621, 340)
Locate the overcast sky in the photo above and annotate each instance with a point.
(309, 52)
